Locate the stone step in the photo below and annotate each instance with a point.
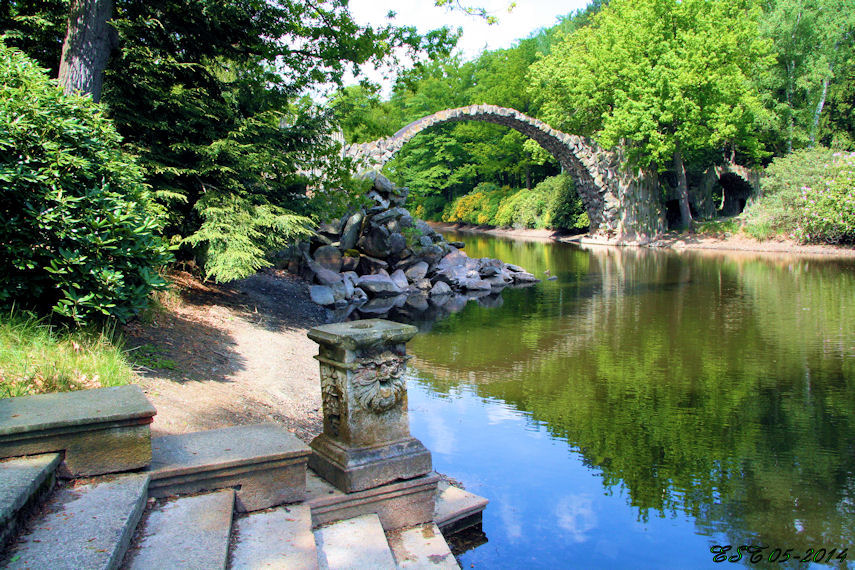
(421, 546)
(23, 481)
(82, 526)
(355, 543)
(264, 462)
(185, 533)
(105, 430)
(399, 504)
(457, 509)
(279, 538)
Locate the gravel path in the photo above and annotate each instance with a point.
(232, 354)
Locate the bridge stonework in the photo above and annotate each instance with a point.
(620, 204)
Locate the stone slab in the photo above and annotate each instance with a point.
(363, 333)
(401, 504)
(420, 547)
(187, 533)
(22, 481)
(457, 509)
(355, 544)
(83, 526)
(265, 461)
(280, 538)
(354, 469)
(62, 410)
(105, 430)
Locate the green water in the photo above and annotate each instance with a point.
(647, 405)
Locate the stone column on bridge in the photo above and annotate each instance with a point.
(366, 440)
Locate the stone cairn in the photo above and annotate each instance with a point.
(379, 258)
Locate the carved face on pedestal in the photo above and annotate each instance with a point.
(378, 384)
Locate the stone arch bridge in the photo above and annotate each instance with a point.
(621, 204)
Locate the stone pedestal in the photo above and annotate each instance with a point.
(366, 440)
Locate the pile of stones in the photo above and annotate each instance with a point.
(380, 257)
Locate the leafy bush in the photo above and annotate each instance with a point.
(827, 209)
(807, 195)
(79, 236)
(554, 203)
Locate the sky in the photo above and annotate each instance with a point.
(527, 17)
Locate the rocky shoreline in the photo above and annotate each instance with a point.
(380, 258)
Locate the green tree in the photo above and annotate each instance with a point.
(79, 229)
(669, 80)
(813, 40)
(208, 95)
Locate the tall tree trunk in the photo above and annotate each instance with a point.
(682, 190)
(818, 112)
(88, 42)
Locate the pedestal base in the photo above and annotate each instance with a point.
(356, 469)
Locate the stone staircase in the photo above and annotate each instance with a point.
(92, 489)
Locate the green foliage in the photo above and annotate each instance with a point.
(778, 210)
(36, 358)
(827, 210)
(207, 94)
(79, 234)
(554, 203)
(812, 77)
(660, 76)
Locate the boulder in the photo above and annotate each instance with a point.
(330, 231)
(397, 243)
(375, 242)
(349, 263)
(424, 228)
(423, 284)
(323, 275)
(524, 277)
(400, 279)
(457, 244)
(471, 284)
(350, 234)
(351, 276)
(431, 255)
(406, 221)
(440, 288)
(378, 286)
(391, 214)
(425, 241)
(456, 258)
(417, 271)
(514, 268)
(496, 281)
(328, 257)
(381, 202)
(380, 182)
(321, 294)
(359, 297)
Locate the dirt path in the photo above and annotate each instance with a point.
(230, 355)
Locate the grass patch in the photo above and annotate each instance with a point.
(718, 228)
(36, 358)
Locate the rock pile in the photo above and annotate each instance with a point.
(381, 257)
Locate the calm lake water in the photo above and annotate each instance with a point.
(646, 406)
